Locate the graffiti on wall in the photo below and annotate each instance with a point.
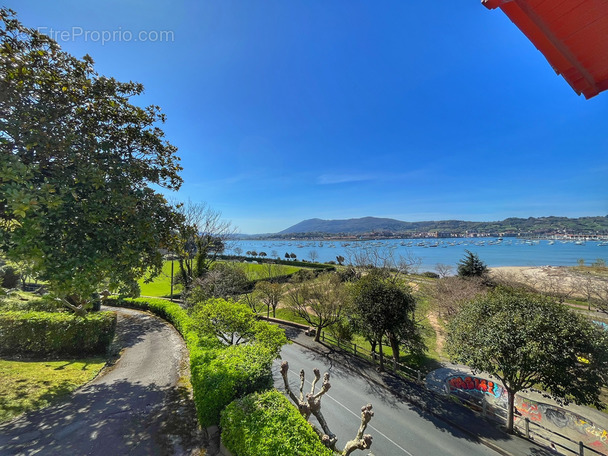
(475, 384)
(562, 419)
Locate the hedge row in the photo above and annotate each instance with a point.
(267, 424)
(219, 374)
(235, 382)
(55, 334)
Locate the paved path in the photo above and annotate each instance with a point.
(135, 407)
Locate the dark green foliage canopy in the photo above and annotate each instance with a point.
(526, 341)
(471, 266)
(77, 161)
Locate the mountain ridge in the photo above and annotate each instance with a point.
(509, 226)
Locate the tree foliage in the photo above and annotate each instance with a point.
(77, 160)
(383, 308)
(235, 323)
(471, 266)
(223, 280)
(526, 340)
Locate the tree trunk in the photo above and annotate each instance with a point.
(381, 368)
(317, 334)
(395, 347)
(510, 407)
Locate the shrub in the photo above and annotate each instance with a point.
(234, 373)
(55, 334)
(266, 424)
(430, 274)
(219, 373)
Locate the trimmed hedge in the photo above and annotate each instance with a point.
(55, 333)
(219, 373)
(267, 424)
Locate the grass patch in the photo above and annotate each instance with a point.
(288, 315)
(161, 285)
(265, 270)
(30, 385)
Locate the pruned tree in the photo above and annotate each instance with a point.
(79, 164)
(471, 266)
(321, 302)
(528, 341)
(310, 404)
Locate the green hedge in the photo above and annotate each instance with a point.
(55, 334)
(267, 424)
(219, 374)
(235, 372)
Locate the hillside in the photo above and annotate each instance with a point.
(509, 226)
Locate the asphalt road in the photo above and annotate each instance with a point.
(135, 407)
(398, 428)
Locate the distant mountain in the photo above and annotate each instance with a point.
(350, 226)
(510, 226)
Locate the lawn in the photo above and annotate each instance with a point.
(30, 385)
(161, 286)
(265, 270)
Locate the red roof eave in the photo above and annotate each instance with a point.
(549, 34)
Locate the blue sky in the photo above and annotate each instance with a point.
(285, 110)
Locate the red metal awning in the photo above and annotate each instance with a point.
(571, 34)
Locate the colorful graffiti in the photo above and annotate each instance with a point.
(476, 384)
(562, 419)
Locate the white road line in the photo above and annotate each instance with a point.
(359, 417)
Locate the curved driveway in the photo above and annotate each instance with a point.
(134, 407)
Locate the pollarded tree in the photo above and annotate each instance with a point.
(321, 302)
(471, 266)
(77, 166)
(526, 340)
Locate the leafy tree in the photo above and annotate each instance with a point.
(321, 303)
(340, 259)
(77, 162)
(293, 256)
(235, 323)
(471, 266)
(383, 308)
(526, 341)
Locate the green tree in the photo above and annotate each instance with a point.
(234, 323)
(529, 341)
(471, 266)
(77, 162)
(383, 308)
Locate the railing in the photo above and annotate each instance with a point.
(398, 368)
(484, 408)
(499, 414)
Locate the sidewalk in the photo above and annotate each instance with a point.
(440, 406)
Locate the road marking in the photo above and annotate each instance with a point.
(358, 416)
